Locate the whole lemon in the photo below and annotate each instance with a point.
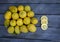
(13, 9)
(30, 14)
(7, 15)
(10, 30)
(13, 23)
(20, 8)
(19, 22)
(27, 8)
(17, 30)
(23, 29)
(22, 14)
(26, 20)
(31, 28)
(6, 23)
(34, 20)
(15, 16)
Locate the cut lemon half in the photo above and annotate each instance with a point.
(44, 26)
(44, 21)
(44, 17)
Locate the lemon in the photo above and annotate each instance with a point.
(31, 28)
(7, 15)
(44, 21)
(30, 14)
(6, 23)
(17, 30)
(34, 20)
(22, 14)
(20, 8)
(13, 9)
(44, 17)
(44, 26)
(27, 8)
(15, 16)
(24, 29)
(26, 20)
(10, 30)
(19, 22)
(13, 23)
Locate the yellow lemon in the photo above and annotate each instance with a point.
(15, 16)
(20, 8)
(10, 30)
(7, 15)
(31, 28)
(13, 9)
(13, 23)
(27, 8)
(17, 30)
(34, 20)
(26, 20)
(19, 22)
(6, 23)
(23, 29)
(30, 14)
(22, 14)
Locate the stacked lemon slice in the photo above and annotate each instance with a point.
(44, 22)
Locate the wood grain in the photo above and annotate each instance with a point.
(30, 1)
(47, 9)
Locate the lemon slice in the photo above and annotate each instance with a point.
(44, 17)
(44, 21)
(44, 26)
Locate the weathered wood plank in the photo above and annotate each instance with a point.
(50, 34)
(37, 8)
(30, 1)
(23, 40)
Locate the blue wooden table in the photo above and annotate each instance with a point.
(50, 8)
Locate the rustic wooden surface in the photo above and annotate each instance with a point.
(50, 8)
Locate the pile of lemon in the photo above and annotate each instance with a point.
(20, 19)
